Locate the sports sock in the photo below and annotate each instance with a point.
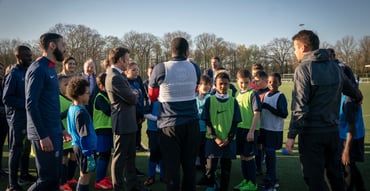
(63, 176)
(72, 164)
(101, 169)
(251, 169)
(151, 168)
(244, 169)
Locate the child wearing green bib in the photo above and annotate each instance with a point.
(246, 138)
(222, 115)
(69, 162)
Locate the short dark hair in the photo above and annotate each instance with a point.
(46, 38)
(243, 73)
(308, 38)
(116, 53)
(76, 87)
(21, 48)
(222, 75)
(179, 46)
(276, 75)
(206, 79)
(216, 58)
(100, 79)
(65, 61)
(261, 74)
(257, 66)
(331, 52)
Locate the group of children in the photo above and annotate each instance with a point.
(233, 126)
(92, 138)
(248, 123)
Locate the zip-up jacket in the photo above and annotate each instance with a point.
(14, 97)
(318, 84)
(42, 100)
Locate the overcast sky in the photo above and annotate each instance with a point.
(238, 21)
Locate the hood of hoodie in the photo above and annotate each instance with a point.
(319, 55)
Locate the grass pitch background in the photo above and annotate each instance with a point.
(288, 166)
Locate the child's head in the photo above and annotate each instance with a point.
(274, 81)
(222, 82)
(204, 84)
(63, 82)
(100, 81)
(260, 80)
(243, 78)
(132, 70)
(255, 68)
(78, 90)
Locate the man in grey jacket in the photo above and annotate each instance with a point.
(123, 105)
(318, 84)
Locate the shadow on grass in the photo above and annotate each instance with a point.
(288, 171)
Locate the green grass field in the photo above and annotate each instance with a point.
(288, 167)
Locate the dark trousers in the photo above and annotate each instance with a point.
(19, 153)
(225, 172)
(138, 135)
(201, 153)
(270, 178)
(319, 151)
(154, 148)
(123, 162)
(4, 128)
(353, 178)
(48, 165)
(179, 146)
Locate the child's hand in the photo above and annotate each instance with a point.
(66, 136)
(91, 163)
(345, 157)
(224, 143)
(218, 141)
(250, 136)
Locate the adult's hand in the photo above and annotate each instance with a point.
(46, 144)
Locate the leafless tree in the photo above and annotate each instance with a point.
(204, 44)
(345, 49)
(145, 48)
(167, 38)
(248, 56)
(82, 43)
(364, 54)
(279, 51)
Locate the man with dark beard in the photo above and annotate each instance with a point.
(14, 100)
(43, 113)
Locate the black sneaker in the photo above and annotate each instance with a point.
(139, 173)
(14, 188)
(26, 179)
